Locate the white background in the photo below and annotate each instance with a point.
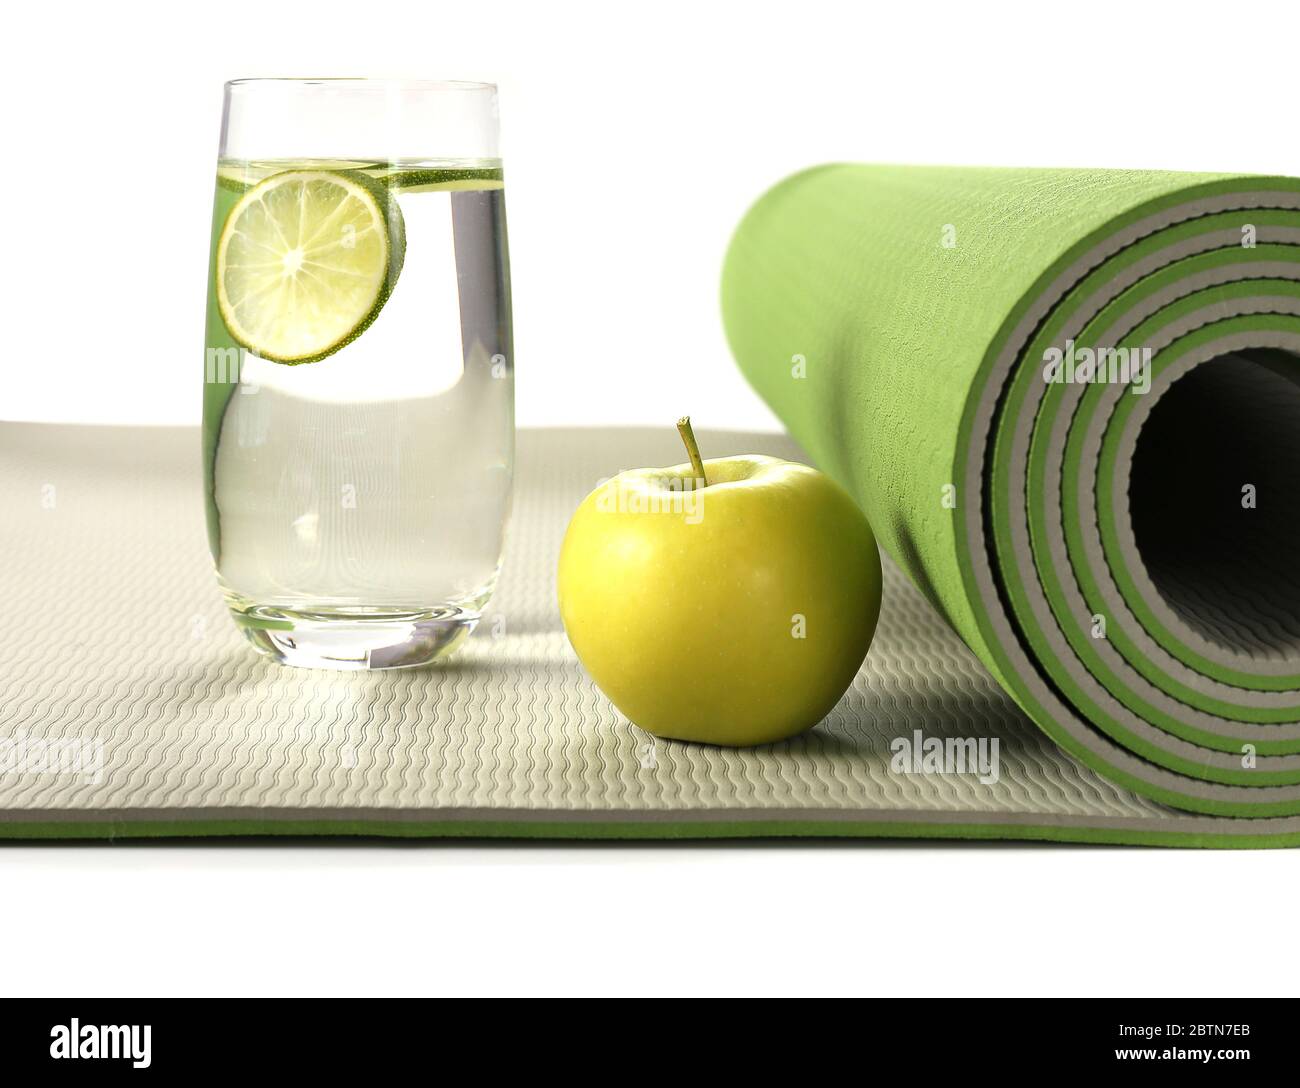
(634, 138)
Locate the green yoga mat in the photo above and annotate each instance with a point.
(130, 705)
(1112, 532)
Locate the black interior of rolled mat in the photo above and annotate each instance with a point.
(1227, 568)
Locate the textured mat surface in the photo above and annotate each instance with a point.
(113, 634)
(1067, 401)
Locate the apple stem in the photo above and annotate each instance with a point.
(692, 449)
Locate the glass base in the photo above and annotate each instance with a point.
(370, 640)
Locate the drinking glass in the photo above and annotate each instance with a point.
(358, 399)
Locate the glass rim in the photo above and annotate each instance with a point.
(363, 82)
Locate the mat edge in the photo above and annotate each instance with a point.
(112, 829)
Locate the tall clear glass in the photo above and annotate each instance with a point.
(358, 400)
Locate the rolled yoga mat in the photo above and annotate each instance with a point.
(1112, 532)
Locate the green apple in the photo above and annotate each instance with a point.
(728, 601)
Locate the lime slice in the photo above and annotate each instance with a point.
(305, 262)
(233, 178)
(450, 179)
(457, 185)
(239, 177)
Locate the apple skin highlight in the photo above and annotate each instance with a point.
(735, 613)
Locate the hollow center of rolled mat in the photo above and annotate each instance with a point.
(1214, 501)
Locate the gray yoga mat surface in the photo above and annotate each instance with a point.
(113, 631)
